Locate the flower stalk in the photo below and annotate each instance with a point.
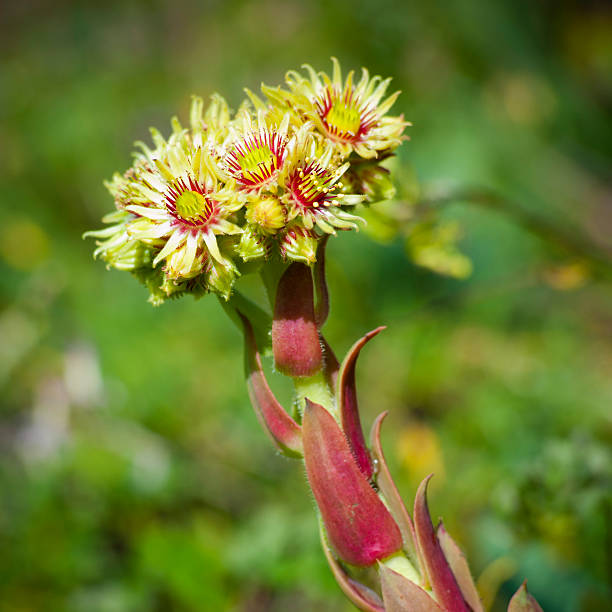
(260, 191)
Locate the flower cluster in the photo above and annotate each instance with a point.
(230, 191)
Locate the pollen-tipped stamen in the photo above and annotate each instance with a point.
(257, 158)
(312, 186)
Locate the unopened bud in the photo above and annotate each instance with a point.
(373, 181)
(299, 244)
(267, 214)
(295, 339)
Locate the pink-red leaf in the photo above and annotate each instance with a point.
(349, 409)
(460, 568)
(320, 282)
(295, 338)
(438, 571)
(363, 597)
(331, 366)
(285, 432)
(402, 595)
(389, 490)
(359, 526)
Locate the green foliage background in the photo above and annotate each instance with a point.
(133, 473)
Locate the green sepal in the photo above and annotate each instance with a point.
(221, 277)
(371, 180)
(253, 246)
(300, 245)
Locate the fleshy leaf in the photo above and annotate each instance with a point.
(389, 490)
(362, 596)
(295, 338)
(331, 366)
(460, 568)
(438, 571)
(347, 403)
(523, 601)
(285, 432)
(360, 528)
(320, 283)
(402, 595)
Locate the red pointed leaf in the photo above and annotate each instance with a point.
(523, 601)
(320, 282)
(295, 338)
(363, 597)
(330, 365)
(359, 526)
(438, 571)
(285, 432)
(460, 568)
(349, 410)
(402, 595)
(389, 490)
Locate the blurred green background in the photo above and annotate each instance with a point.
(134, 476)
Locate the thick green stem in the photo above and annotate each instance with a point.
(316, 389)
(401, 564)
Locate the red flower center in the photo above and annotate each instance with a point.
(312, 186)
(257, 158)
(189, 203)
(344, 116)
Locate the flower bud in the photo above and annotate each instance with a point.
(298, 244)
(221, 278)
(295, 339)
(267, 214)
(372, 180)
(117, 249)
(253, 246)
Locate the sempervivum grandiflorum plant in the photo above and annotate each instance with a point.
(260, 192)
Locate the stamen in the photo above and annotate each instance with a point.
(311, 187)
(189, 204)
(256, 158)
(344, 116)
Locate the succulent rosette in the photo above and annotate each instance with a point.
(262, 191)
(267, 182)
